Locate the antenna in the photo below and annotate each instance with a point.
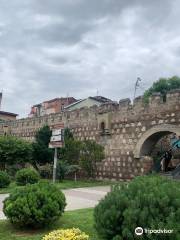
(137, 86)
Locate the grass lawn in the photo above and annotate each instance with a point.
(82, 219)
(65, 184)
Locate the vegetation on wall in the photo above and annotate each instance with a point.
(163, 85)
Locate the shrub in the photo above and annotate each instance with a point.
(27, 175)
(35, 205)
(46, 171)
(150, 202)
(66, 234)
(4, 179)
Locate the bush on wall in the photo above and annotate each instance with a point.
(148, 202)
(35, 205)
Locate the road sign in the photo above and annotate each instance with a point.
(57, 126)
(55, 144)
(56, 138)
(56, 132)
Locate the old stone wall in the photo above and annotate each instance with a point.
(121, 128)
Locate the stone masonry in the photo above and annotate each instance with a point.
(128, 132)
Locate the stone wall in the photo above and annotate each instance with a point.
(124, 127)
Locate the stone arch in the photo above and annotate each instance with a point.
(148, 140)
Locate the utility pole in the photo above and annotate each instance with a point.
(136, 86)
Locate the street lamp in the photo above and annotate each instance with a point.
(136, 85)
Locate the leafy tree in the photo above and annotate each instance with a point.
(91, 153)
(76, 155)
(71, 151)
(68, 135)
(43, 136)
(41, 152)
(163, 85)
(14, 150)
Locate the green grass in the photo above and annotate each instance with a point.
(82, 219)
(65, 184)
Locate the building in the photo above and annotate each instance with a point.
(55, 105)
(4, 116)
(87, 102)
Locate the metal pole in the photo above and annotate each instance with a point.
(136, 86)
(55, 165)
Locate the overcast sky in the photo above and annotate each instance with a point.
(55, 48)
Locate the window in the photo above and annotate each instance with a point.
(102, 127)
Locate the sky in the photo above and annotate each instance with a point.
(81, 48)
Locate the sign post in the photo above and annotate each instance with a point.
(56, 142)
(55, 165)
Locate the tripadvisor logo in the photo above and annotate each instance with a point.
(139, 231)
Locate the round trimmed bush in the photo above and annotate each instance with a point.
(27, 176)
(4, 179)
(35, 205)
(150, 202)
(66, 234)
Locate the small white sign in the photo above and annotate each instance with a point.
(56, 138)
(55, 144)
(56, 132)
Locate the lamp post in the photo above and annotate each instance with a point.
(136, 86)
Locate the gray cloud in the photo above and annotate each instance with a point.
(54, 48)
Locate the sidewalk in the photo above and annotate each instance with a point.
(76, 198)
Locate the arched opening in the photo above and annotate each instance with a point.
(148, 142)
(149, 139)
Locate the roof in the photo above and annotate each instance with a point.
(101, 99)
(72, 104)
(55, 99)
(8, 113)
(96, 98)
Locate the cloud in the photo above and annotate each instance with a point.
(74, 47)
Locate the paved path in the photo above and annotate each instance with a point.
(76, 198)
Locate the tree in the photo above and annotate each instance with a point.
(41, 153)
(68, 156)
(91, 153)
(163, 85)
(43, 136)
(14, 150)
(68, 134)
(71, 151)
